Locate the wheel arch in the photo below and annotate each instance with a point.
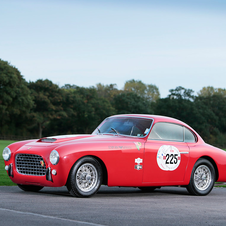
(104, 169)
(103, 166)
(213, 163)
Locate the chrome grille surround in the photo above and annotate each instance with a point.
(29, 164)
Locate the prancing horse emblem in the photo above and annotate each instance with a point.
(42, 163)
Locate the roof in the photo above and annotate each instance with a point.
(157, 118)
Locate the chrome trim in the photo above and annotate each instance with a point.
(10, 170)
(48, 174)
(202, 177)
(184, 152)
(184, 127)
(118, 116)
(30, 164)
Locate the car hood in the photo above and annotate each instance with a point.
(83, 142)
(56, 141)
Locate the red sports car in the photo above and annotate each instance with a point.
(144, 151)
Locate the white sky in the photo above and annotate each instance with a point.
(168, 44)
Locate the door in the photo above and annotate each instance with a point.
(166, 155)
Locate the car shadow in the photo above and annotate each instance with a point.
(106, 191)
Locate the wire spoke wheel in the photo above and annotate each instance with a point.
(86, 177)
(202, 177)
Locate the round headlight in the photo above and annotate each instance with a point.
(54, 157)
(6, 154)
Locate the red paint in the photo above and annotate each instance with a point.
(118, 154)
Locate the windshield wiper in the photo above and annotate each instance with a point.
(115, 130)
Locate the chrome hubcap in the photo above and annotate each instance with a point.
(86, 177)
(202, 177)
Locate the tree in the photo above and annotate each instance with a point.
(210, 91)
(215, 100)
(107, 91)
(149, 92)
(15, 99)
(181, 104)
(131, 103)
(181, 93)
(84, 109)
(48, 103)
(91, 109)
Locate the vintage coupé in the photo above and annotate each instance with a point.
(144, 151)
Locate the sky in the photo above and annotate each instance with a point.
(169, 43)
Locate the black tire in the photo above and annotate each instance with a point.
(85, 178)
(33, 188)
(203, 177)
(148, 189)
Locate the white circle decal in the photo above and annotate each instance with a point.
(168, 157)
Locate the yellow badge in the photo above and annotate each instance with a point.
(42, 163)
(138, 145)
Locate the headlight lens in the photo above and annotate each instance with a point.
(54, 157)
(6, 154)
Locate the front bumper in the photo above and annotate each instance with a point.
(54, 176)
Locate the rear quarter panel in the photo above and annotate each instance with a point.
(208, 152)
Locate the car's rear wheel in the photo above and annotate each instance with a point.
(85, 177)
(202, 178)
(148, 189)
(33, 188)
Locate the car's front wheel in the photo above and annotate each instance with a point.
(33, 188)
(202, 178)
(85, 177)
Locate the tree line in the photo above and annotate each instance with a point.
(42, 108)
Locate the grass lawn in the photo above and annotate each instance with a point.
(4, 178)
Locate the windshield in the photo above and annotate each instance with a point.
(129, 126)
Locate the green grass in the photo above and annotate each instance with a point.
(219, 184)
(4, 178)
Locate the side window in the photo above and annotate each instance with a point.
(167, 131)
(189, 136)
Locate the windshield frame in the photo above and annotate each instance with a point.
(97, 130)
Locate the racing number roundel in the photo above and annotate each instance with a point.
(168, 157)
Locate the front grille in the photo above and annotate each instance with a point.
(30, 165)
